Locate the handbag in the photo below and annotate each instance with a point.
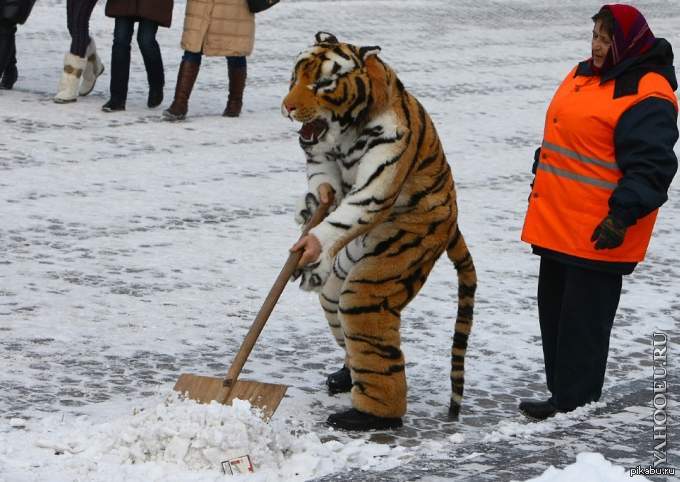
(256, 6)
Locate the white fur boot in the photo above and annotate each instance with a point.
(94, 69)
(70, 79)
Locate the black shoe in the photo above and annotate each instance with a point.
(353, 419)
(113, 106)
(155, 97)
(340, 381)
(538, 410)
(9, 77)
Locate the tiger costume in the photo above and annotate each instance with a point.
(395, 214)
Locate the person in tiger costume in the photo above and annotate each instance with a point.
(371, 144)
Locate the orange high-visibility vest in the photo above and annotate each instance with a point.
(577, 170)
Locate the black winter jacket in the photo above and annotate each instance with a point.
(16, 11)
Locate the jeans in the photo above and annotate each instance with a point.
(232, 62)
(120, 55)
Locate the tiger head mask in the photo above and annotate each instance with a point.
(335, 83)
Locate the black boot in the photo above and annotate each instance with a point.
(340, 381)
(155, 97)
(113, 105)
(353, 419)
(8, 56)
(538, 410)
(11, 74)
(120, 74)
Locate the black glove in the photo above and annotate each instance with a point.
(609, 233)
(534, 168)
(537, 158)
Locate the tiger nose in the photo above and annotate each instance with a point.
(287, 109)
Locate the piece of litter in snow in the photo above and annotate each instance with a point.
(238, 465)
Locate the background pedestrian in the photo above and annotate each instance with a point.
(214, 28)
(12, 12)
(82, 65)
(149, 14)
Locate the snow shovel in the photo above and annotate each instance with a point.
(265, 396)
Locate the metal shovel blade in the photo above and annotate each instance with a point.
(265, 396)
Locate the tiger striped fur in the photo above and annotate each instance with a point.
(395, 214)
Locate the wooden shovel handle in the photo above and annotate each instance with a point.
(270, 301)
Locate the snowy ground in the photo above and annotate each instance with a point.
(133, 250)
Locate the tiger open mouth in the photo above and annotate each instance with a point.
(311, 132)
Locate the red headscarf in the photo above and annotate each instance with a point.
(632, 36)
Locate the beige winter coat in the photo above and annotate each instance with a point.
(219, 27)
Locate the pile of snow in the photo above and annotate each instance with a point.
(185, 441)
(510, 429)
(589, 467)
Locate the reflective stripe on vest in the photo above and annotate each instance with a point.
(576, 177)
(576, 155)
(577, 170)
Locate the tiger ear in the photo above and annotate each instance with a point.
(325, 38)
(366, 52)
(378, 74)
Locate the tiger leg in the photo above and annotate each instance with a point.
(338, 381)
(329, 298)
(375, 292)
(330, 295)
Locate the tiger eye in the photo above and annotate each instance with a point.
(323, 83)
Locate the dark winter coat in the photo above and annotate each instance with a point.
(644, 139)
(15, 11)
(159, 11)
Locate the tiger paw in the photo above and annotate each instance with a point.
(305, 208)
(314, 275)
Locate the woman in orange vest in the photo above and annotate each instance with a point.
(602, 172)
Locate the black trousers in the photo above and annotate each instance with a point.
(78, 13)
(7, 45)
(576, 310)
(120, 55)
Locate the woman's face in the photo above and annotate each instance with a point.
(601, 44)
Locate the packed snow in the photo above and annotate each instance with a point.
(589, 467)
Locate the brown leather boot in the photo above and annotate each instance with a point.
(237, 82)
(188, 71)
